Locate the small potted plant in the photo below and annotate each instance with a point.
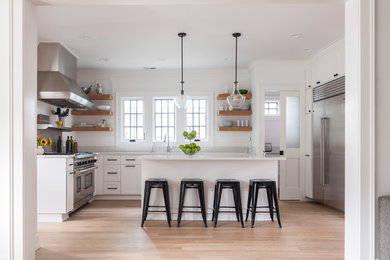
(42, 142)
(191, 148)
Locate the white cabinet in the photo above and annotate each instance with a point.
(130, 179)
(112, 173)
(118, 175)
(308, 100)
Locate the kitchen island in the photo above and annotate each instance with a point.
(207, 167)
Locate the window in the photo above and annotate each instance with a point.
(164, 119)
(197, 117)
(132, 119)
(271, 108)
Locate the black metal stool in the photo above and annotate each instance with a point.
(192, 184)
(272, 196)
(160, 183)
(221, 184)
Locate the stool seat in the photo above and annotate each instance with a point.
(159, 183)
(192, 184)
(233, 184)
(272, 196)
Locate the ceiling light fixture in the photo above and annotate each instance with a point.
(181, 99)
(235, 100)
(295, 35)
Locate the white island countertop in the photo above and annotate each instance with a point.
(211, 157)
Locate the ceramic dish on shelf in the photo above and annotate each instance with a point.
(226, 123)
(103, 107)
(245, 107)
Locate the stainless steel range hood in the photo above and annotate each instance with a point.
(57, 78)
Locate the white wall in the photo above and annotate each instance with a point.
(382, 94)
(160, 82)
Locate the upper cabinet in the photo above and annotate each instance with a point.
(327, 65)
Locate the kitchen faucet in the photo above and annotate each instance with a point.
(168, 145)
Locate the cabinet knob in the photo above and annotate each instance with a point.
(335, 75)
(307, 155)
(309, 86)
(318, 82)
(309, 111)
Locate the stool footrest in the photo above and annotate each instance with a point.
(197, 207)
(155, 211)
(227, 212)
(191, 211)
(156, 206)
(227, 207)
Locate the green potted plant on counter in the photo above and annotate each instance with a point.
(191, 148)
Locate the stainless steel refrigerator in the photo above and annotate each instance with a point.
(329, 143)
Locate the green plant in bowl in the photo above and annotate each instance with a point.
(243, 91)
(191, 148)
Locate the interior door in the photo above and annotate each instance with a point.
(290, 144)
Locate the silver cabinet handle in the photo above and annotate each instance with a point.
(86, 170)
(112, 172)
(112, 160)
(112, 188)
(130, 159)
(130, 165)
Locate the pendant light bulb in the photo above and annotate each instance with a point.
(235, 100)
(182, 98)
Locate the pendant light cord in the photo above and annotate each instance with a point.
(235, 80)
(182, 71)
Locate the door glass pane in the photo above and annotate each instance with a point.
(292, 122)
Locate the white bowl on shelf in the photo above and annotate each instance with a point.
(103, 107)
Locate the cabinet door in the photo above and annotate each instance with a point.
(308, 76)
(99, 176)
(130, 179)
(309, 100)
(69, 191)
(111, 188)
(112, 159)
(308, 156)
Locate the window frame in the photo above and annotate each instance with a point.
(154, 98)
(271, 101)
(207, 114)
(121, 119)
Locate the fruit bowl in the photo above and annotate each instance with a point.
(243, 91)
(191, 148)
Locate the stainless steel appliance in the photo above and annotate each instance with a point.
(329, 143)
(57, 77)
(84, 179)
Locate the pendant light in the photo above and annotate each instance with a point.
(181, 99)
(236, 100)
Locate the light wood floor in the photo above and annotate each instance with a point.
(111, 230)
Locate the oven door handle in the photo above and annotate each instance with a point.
(86, 170)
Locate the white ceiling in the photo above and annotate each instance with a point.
(146, 36)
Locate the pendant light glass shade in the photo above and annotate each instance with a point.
(181, 99)
(236, 100)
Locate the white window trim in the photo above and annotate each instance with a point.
(208, 121)
(154, 141)
(121, 134)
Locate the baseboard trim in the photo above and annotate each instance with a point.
(117, 197)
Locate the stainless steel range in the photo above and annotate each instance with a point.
(84, 178)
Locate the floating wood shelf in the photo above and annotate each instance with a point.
(224, 96)
(100, 129)
(234, 112)
(100, 96)
(234, 128)
(91, 113)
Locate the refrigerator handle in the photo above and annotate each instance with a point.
(325, 145)
(322, 153)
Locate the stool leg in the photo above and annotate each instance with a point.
(255, 193)
(218, 204)
(275, 196)
(248, 205)
(240, 205)
(270, 203)
(235, 197)
(181, 201)
(202, 203)
(215, 202)
(146, 203)
(167, 203)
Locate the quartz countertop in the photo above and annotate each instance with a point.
(211, 157)
(55, 156)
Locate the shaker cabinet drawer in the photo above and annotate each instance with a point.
(125, 159)
(112, 159)
(112, 187)
(112, 173)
